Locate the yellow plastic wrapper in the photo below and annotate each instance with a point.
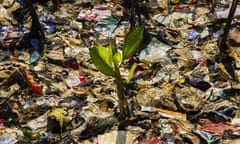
(174, 1)
(236, 119)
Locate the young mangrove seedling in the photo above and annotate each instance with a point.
(108, 61)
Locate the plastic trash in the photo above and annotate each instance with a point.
(236, 119)
(165, 113)
(7, 139)
(193, 35)
(116, 136)
(156, 51)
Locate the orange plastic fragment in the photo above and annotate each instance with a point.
(36, 88)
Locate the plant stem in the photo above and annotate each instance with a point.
(223, 47)
(120, 93)
(132, 11)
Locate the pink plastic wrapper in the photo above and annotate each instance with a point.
(219, 128)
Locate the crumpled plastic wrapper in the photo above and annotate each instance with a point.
(190, 99)
(118, 137)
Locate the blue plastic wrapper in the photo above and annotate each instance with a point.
(33, 58)
(28, 103)
(20, 1)
(35, 43)
(3, 33)
(210, 138)
(7, 139)
(50, 28)
(193, 36)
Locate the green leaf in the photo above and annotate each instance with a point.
(28, 134)
(117, 58)
(58, 113)
(112, 48)
(132, 42)
(100, 63)
(131, 72)
(105, 54)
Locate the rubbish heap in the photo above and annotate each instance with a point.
(184, 89)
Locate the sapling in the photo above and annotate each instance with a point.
(108, 61)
